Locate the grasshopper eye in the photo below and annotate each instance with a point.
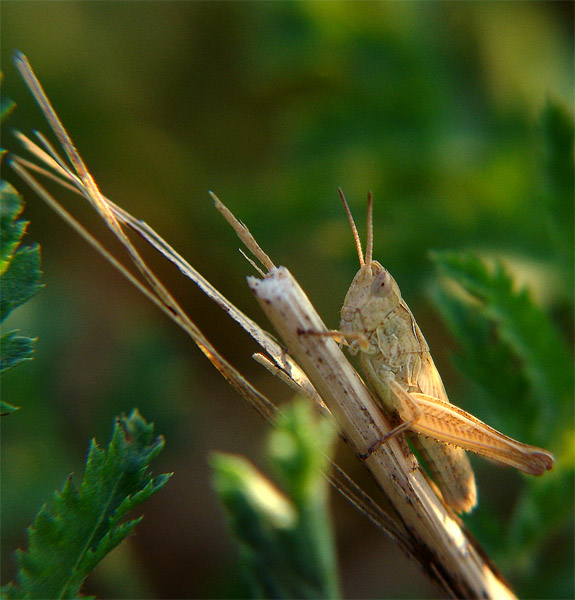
(382, 284)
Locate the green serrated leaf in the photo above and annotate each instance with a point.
(6, 409)
(485, 360)
(70, 537)
(285, 540)
(19, 275)
(6, 105)
(14, 349)
(21, 280)
(523, 329)
(522, 367)
(11, 229)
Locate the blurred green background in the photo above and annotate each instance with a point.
(435, 106)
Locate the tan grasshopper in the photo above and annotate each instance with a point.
(398, 367)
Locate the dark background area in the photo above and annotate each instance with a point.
(433, 106)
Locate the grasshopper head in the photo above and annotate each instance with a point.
(373, 294)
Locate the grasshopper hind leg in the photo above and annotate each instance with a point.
(450, 470)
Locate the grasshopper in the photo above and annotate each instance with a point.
(399, 369)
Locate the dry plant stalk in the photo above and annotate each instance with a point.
(423, 527)
(429, 526)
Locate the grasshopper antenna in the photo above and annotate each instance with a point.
(353, 228)
(369, 241)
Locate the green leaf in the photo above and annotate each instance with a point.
(523, 372)
(70, 537)
(285, 539)
(19, 275)
(11, 229)
(6, 409)
(20, 280)
(504, 325)
(14, 349)
(6, 105)
(19, 266)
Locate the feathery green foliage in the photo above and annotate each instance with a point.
(286, 542)
(68, 539)
(19, 271)
(523, 374)
(503, 332)
(6, 104)
(19, 279)
(522, 369)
